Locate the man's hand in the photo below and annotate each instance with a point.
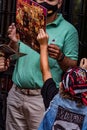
(54, 51)
(12, 33)
(83, 63)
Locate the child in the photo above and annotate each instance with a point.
(68, 109)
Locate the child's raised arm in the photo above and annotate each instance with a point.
(43, 41)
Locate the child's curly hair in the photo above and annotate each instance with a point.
(69, 96)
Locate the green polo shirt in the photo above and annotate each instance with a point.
(27, 73)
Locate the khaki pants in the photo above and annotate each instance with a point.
(24, 112)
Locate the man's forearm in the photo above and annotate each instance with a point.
(66, 63)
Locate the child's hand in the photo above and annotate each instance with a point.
(83, 63)
(42, 37)
(12, 33)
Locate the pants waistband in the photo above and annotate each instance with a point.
(32, 92)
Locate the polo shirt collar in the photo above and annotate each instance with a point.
(57, 21)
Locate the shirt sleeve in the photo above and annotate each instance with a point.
(48, 91)
(71, 45)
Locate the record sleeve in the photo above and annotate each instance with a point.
(6, 50)
(10, 53)
(30, 17)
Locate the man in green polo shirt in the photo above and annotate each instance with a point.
(25, 106)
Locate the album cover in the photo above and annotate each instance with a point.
(6, 50)
(10, 53)
(30, 17)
